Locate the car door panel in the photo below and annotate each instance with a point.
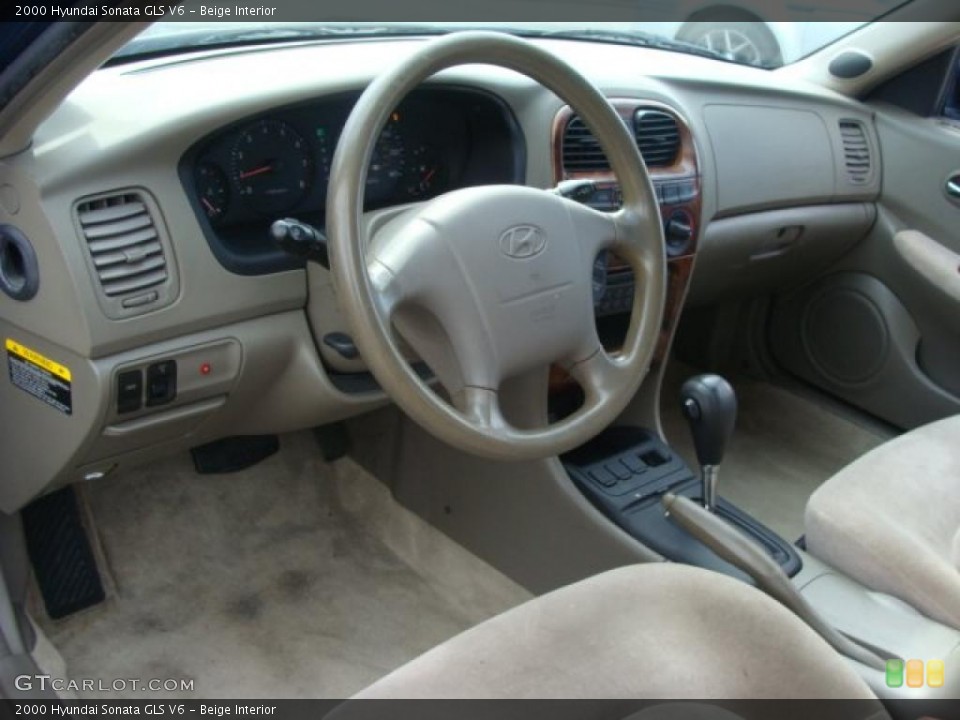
(881, 329)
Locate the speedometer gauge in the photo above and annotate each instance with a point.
(271, 166)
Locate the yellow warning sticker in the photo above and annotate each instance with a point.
(40, 376)
(37, 359)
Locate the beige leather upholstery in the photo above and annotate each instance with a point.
(648, 631)
(892, 520)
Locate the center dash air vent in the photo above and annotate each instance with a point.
(127, 252)
(581, 151)
(657, 134)
(856, 151)
(658, 137)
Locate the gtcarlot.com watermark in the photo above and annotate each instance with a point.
(26, 683)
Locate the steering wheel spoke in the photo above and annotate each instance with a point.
(481, 406)
(595, 230)
(599, 376)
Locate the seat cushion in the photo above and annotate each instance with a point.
(892, 520)
(649, 631)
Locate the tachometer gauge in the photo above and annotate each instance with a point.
(387, 163)
(213, 190)
(272, 168)
(426, 173)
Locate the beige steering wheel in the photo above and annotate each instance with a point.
(486, 283)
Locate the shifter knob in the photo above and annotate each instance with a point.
(710, 406)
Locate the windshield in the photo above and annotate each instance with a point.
(762, 44)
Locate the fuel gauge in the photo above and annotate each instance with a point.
(213, 190)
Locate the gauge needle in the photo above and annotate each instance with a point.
(426, 178)
(256, 171)
(209, 205)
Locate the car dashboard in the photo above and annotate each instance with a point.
(149, 193)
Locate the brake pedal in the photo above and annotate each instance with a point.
(233, 454)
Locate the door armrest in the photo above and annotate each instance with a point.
(936, 263)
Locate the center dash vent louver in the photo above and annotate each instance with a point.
(856, 152)
(657, 135)
(127, 251)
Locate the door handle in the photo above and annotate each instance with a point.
(953, 187)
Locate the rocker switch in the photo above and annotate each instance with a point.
(161, 383)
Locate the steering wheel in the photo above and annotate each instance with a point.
(486, 283)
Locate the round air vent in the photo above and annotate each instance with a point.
(845, 336)
(19, 273)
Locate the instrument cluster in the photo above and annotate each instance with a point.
(280, 164)
(277, 164)
(270, 167)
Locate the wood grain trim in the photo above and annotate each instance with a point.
(679, 268)
(679, 271)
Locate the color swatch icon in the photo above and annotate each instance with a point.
(894, 673)
(915, 673)
(935, 673)
(911, 673)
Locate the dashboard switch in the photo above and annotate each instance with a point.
(301, 240)
(161, 383)
(129, 391)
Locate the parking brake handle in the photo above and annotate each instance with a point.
(746, 555)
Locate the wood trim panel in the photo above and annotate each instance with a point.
(679, 267)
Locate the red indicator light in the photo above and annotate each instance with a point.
(205, 369)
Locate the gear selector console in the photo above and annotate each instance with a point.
(625, 471)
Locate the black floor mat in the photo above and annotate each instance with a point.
(234, 453)
(60, 551)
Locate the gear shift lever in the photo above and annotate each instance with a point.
(710, 406)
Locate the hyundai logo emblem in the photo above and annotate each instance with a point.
(523, 241)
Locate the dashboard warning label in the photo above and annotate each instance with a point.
(40, 376)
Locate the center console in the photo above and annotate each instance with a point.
(625, 472)
(639, 483)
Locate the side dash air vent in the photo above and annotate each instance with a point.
(658, 137)
(856, 152)
(127, 251)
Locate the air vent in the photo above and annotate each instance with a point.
(124, 245)
(657, 135)
(581, 151)
(856, 151)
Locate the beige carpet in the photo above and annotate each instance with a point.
(292, 579)
(784, 446)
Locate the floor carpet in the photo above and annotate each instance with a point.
(294, 578)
